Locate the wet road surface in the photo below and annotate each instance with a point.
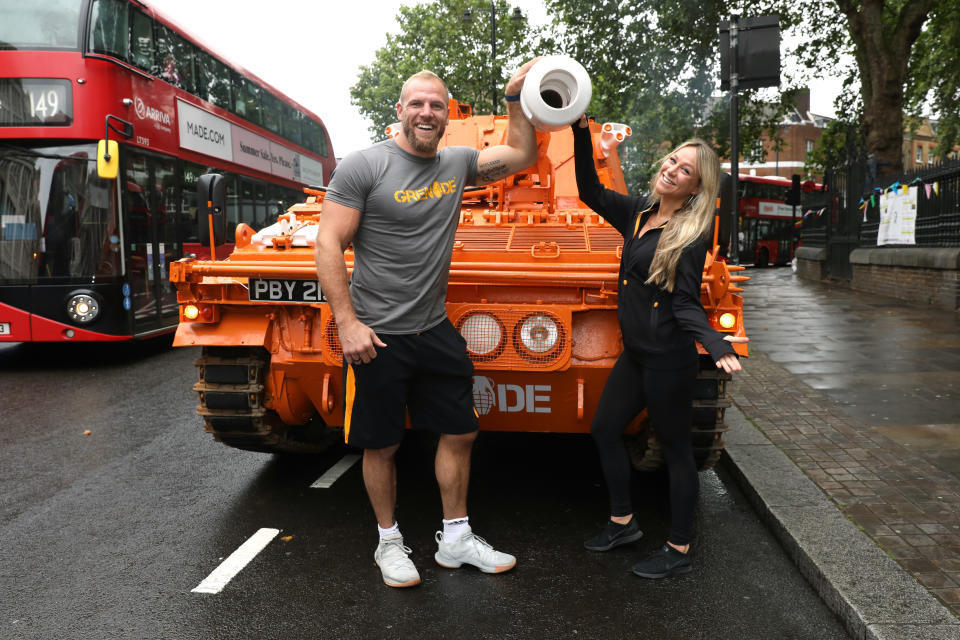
(105, 535)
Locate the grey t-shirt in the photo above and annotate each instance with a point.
(409, 208)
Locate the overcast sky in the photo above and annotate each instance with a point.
(312, 50)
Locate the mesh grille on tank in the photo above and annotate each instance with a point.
(483, 238)
(511, 352)
(604, 239)
(570, 239)
(332, 341)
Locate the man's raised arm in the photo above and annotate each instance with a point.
(496, 163)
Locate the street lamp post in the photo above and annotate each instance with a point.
(468, 19)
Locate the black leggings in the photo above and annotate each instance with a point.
(668, 398)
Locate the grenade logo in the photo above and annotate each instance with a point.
(437, 190)
(484, 397)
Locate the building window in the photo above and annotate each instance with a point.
(809, 146)
(919, 155)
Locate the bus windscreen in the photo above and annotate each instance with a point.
(51, 24)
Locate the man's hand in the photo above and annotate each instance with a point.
(520, 151)
(358, 341)
(515, 83)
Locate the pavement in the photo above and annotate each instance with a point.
(845, 435)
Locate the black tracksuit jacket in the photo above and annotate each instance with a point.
(658, 327)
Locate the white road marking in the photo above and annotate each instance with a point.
(326, 480)
(230, 567)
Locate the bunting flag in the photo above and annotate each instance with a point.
(936, 188)
(871, 201)
(928, 187)
(798, 223)
(863, 204)
(904, 189)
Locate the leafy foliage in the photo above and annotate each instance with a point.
(434, 36)
(904, 56)
(655, 66)
(935, 74)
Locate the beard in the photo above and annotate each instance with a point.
(420, 145)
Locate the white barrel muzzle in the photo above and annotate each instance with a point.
(555, 93)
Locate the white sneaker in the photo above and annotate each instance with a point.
(396, 567)
(472, 549)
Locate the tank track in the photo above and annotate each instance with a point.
(709, 404)
(231, 391)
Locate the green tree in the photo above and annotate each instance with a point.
(433, 36)
(935, 74)
(655, 66)
(897, 58)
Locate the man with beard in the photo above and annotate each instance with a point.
(398, 202)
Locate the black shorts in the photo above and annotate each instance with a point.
(428, 374)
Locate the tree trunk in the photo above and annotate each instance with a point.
(883, 38)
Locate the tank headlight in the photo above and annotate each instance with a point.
(728, 320)
(482, 332)
(199, 313)
(83, 308)
(539, 333)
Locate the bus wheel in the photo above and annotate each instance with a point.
(763, 257)
(231, 390)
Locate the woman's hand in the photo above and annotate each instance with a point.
(729, 362)
(583, 121)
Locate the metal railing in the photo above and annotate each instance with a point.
(938, 205)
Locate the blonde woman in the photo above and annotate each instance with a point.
(665, 243)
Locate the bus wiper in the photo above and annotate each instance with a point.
(29, 153)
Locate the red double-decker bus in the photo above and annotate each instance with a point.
(84, 258)
(766, 220)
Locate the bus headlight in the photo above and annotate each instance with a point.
(728, 320)
(483, 333)
(83, 308)
(539, 333)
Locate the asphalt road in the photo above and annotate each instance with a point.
(106, 535)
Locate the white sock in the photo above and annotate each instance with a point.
(387, 532)
(453, 528)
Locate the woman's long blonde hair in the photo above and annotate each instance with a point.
(691, 221)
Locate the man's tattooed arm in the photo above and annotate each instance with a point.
(491, 171)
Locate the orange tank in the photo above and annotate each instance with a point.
(532, 289)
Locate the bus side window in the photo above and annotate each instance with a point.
(175, 60)
(108, 28)
(141, 41)
(291, 124)
(246, 99)
(213, 80)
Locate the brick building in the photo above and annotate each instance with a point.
(800, 130)
(918, 145)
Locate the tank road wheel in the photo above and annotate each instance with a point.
(231, 389)
(709, 403)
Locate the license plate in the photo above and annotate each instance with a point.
(4, 328)
(275, 290)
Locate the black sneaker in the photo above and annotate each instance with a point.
(665, 562)
(614, 535)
